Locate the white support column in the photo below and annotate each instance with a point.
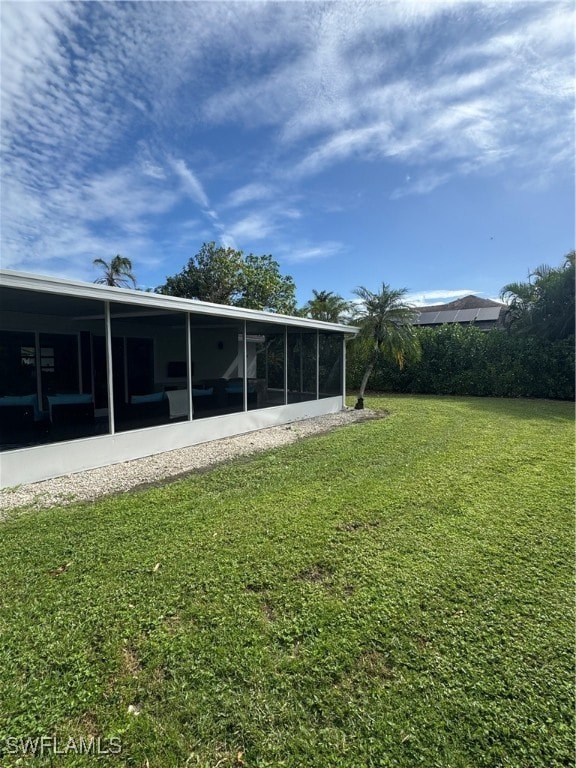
(109, 371)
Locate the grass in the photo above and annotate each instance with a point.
(395, 593)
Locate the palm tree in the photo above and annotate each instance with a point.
(326, 305)
(117, 272)
(386, 329)
(543, 306)
(519, 297)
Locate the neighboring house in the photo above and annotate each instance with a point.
(484, 313)
(93, 375)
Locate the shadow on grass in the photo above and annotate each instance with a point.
(519, 408)
(524, 408)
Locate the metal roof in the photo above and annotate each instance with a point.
(55, 285)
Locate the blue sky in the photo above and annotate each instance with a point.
(429, 145)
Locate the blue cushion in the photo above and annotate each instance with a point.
(18, 400)
(236, 387)
(22, 400)
(70, 399)
(153, 397)
(200, 392)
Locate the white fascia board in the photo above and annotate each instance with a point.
(32, 282)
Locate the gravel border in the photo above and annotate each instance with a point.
(117, 478)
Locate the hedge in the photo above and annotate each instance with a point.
(463, 360)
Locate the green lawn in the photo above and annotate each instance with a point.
(395, 593)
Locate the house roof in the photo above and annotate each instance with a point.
(482, 315)
(55, 285)
(469, 309)
(467, 302)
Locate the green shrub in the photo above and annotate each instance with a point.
(463, 360)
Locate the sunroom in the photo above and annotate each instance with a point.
(93, 375)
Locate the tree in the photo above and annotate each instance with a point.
(225, 276)
(117, 272)
(387, 330)
(263, 287)
(544, 306)
(327, 306)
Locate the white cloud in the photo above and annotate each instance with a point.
(439, 296)
(249, 193)
(256, 226)
(99, 103)
(420, 186)
(259, 224)
(340, 147)
(30, 37)
(190, 183)
(496, 95)
(122, 205)
(304, 253)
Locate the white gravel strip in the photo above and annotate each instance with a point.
(116, 478)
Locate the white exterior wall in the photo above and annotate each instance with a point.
(32, 464)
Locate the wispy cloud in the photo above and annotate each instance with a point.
(189, 181)
(459, 111)
(252, 227)
(303, 253)
(109, 211)
(424, 298)
(109, 112)
(427, 182)
(249, 193)
(261, 222)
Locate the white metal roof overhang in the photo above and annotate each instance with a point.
(57, 286)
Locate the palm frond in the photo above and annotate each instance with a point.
(386, 323)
